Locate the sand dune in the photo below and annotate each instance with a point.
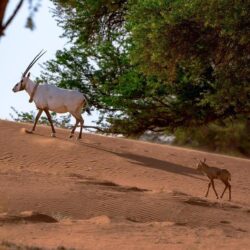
(111, 193)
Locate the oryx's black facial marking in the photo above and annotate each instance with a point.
(22, 86)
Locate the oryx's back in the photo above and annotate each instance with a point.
(214, 172)
(225, 174)
(58, 99)
(222, 174)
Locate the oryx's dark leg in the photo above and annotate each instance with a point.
(36, 120)
(50, 121)
(80, 120)
(82, 123)
(74, 128)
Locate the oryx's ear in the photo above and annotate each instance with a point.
(28, 75)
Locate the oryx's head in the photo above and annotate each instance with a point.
(25, 76)
(201, 164)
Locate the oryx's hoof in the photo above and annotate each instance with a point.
(53, 134)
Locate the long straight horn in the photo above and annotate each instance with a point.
(36, 58)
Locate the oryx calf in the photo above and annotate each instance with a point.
(215, 173)
(51, 98)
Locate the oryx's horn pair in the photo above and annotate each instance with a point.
(37, 57)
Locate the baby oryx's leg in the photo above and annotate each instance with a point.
(36, 120)
(51, 122)
(209, 185)
(212, 181)
(227, 185)
(229, 188)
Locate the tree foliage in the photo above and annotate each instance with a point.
(203, 44)
(230, 139)
(156, 64)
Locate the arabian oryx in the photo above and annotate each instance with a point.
(51, 98)
(215, 173)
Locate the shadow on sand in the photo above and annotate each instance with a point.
(150, 162)
(142, 160)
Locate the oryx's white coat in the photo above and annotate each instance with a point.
(48, 97)
(53, 98)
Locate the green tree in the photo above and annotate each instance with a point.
(156, 64)
(207, 41)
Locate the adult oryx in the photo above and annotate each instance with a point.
(51, 98)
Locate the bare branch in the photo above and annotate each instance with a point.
(97, 128)
(3, 5)
(3, 27)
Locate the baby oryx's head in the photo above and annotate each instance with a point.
(201, 164)
(25, 76)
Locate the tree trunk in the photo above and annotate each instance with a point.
(3, 5)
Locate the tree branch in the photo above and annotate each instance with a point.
(3, 27)
(3, 5)
(97, 128)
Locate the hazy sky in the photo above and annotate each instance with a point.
(19, 46)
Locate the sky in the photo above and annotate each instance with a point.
(19, 46)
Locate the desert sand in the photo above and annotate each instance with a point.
(114, 193)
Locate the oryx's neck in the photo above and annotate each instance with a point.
(205, 166)
(30, 85)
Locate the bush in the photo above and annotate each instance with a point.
(232, 138)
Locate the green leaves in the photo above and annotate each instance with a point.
(150, 64)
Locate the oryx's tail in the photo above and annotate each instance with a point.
(88, 110)
(86, 107)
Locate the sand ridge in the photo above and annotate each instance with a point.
(109, 193)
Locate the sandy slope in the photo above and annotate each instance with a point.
(108, 193)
